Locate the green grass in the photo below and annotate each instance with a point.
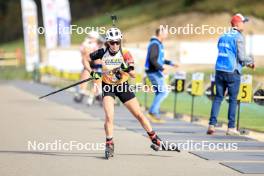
(257, 73)
(14, 73)
(251, 114)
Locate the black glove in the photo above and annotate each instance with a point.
(124, 67)
(95, 75)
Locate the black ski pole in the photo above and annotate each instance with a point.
(72, 85)
(114, 19)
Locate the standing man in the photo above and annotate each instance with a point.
(154, 67)
(231, 58)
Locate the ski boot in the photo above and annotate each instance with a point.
(156, 141)
(159, 145)
(109, 149)
(90, 100)
(99, 98)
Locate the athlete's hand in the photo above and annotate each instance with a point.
(176, 65)
(252, 66)
(124, 67)
(165, 69)
(95, 75)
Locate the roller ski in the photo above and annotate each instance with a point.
(78, 98)
(79, 95)
(159, 145)
(84, 98)
(109, 149)
(87, 99)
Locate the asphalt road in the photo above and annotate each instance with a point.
(24, 119)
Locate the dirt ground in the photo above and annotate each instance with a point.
(144, 32)
(139, 36)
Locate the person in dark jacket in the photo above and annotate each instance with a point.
(154, 68)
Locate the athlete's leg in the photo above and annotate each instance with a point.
(97, 87)
(84, 75)
(108, 103)
(133, 106)
(82, 88)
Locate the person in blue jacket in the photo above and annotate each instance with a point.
(231, 58)
(154, 66)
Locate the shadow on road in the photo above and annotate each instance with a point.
(74, 154)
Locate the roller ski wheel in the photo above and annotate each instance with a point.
(78, 98)
(109, 151)
(155, 147)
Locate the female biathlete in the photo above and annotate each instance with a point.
(117, 67)
(92, 42)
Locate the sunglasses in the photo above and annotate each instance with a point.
(114, 42)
